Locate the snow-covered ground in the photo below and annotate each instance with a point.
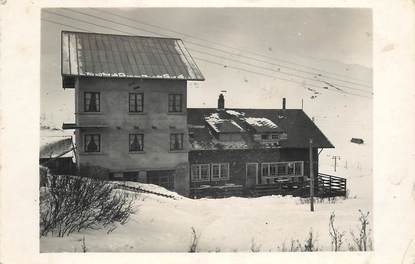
(163, 224)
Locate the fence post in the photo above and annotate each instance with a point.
(311, 176)
(330, 186)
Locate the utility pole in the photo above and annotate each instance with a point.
(311, 177)
(335, 161)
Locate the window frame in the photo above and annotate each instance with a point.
(135, 96)
(198, 176)
(86, 109)
(172, 107)
(129, 142)
(85, 142)
(266, 166)
(220, 176)
(181, 135)
(265, 137)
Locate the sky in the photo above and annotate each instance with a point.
(249, 48)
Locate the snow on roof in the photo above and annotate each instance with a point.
(221, 125)
(260, 122)
(54, 142)
(235, 113)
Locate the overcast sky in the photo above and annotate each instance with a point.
(295, 41)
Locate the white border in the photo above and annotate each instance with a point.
(394, 137)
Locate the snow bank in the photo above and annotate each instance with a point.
(163, 224)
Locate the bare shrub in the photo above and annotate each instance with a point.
(195, 241)
(335, 235)
(319, 200)
(254, 246)
(73, 203)
(83, 245)
(310, 244)
(362, 240)
(93, 171)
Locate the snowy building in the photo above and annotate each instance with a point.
(56, 151)
(130, 105)
(252, 151)
(132, 121)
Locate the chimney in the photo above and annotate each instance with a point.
(283, 103)
(221, 102)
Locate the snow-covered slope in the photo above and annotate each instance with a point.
(163, 224)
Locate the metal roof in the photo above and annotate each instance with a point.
(122, 56)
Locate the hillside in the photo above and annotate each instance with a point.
(163, 224)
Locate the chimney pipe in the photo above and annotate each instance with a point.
(283, 103)
(221, 102)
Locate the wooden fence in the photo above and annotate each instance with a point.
(326, 186)
(330, 186)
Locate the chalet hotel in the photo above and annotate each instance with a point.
(131, 118)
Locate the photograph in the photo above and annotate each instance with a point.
(206, 130)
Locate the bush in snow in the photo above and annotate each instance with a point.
(70, 203)
(309, 245)
(362, 241)
(319, 200)
(92, 171)
(195, 241)
(255, 247)
(335, 235)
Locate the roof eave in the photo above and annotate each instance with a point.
(130, 77)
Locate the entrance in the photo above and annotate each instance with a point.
(251, 175)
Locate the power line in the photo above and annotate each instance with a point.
(212, 48)
(157, 33)
(272, 76)
(65, 25)
(279, 71)
(202, 59)
(236, 48)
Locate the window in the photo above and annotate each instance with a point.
(220, 171)
(136, 102)
(200, 172)
(294, 168)
(274, 136)
(175, 103)
(282, 169)
(91, 102)
(136, 142)
(215, 172)
(176, 141)
(92, 143)
(265, 137)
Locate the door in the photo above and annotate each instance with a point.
(251, 175)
